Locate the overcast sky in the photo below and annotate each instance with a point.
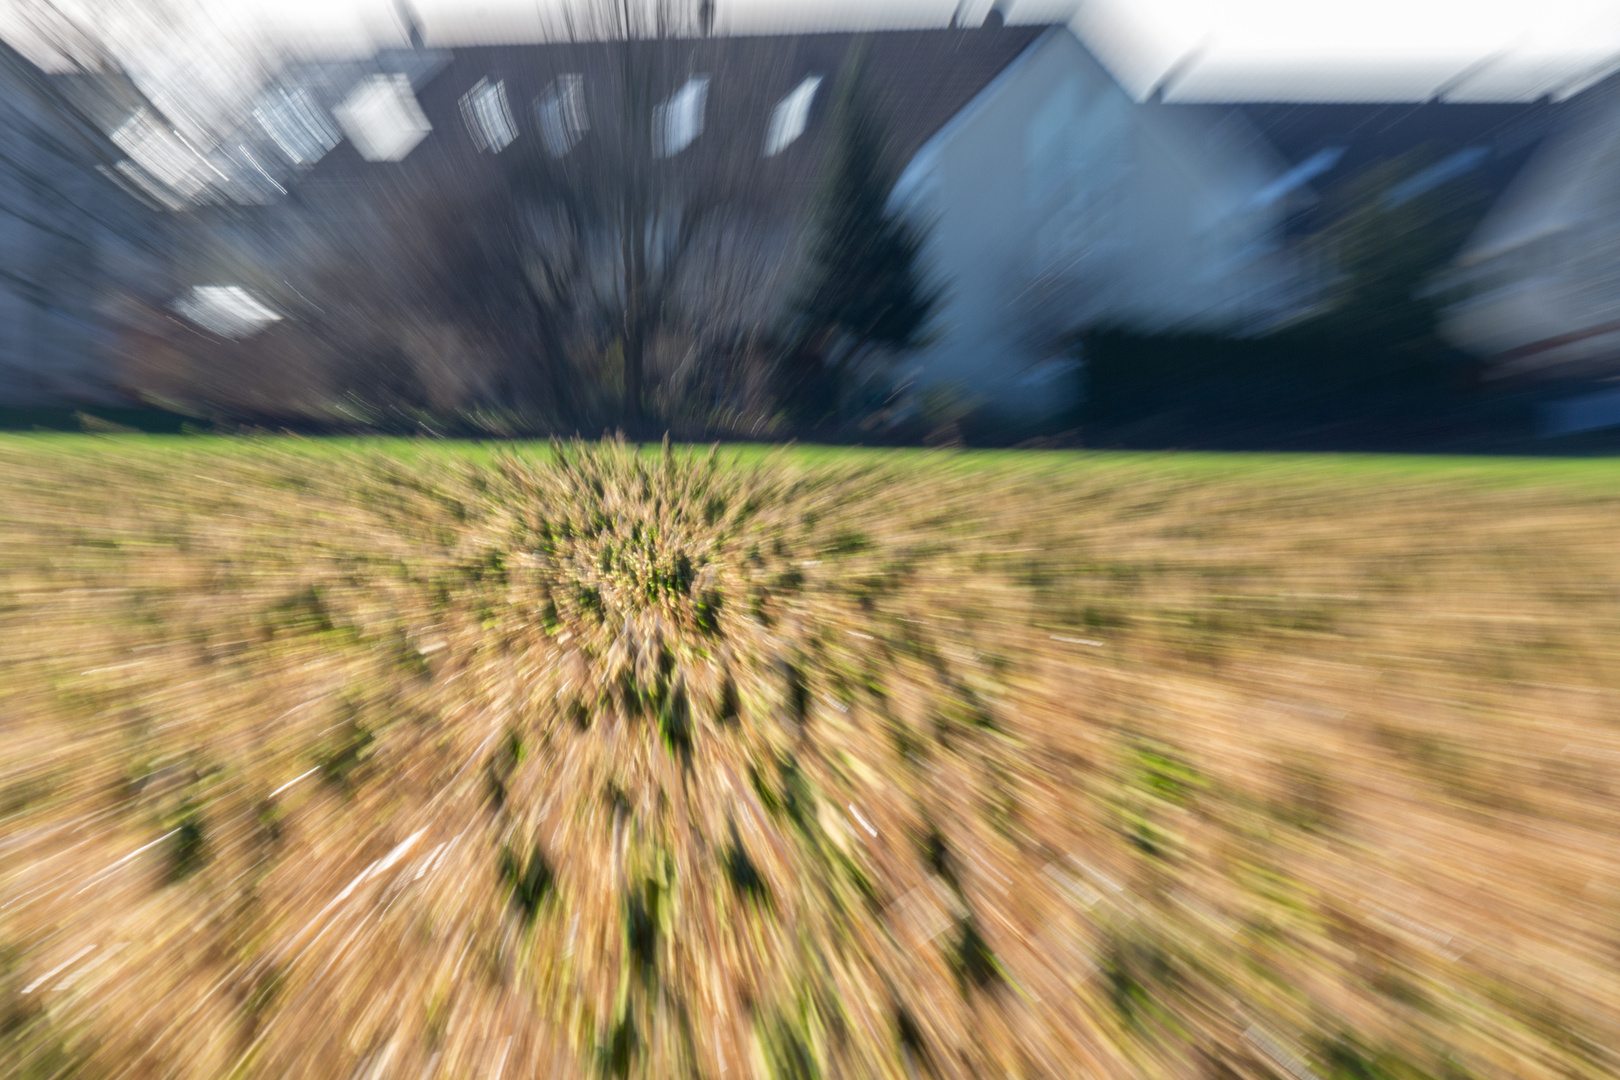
(1224, 49)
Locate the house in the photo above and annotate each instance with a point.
(1335, 153)
(1542, 272)
(80, 246)
(1054, 200)
(1059, 203)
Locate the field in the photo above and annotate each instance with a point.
(373, 759)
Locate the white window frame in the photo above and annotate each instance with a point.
(299, 127)
(227, 310)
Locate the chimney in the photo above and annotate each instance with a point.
(997, 18)
(706, 17)
(412, 29)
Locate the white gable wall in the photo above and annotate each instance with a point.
(1204, 252)
(1543, 269)
(1058, 202)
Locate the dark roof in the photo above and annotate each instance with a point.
(69, 111)
(920, 79)
(106, 98)
(1369, 134)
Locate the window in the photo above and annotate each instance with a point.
(159, 149)
(1461, 163)
(1295, 178)
(488, 119)
(790, 115)
(679, 120)
(297, 125)
(561, 114)
(228, 310)
(382, 119)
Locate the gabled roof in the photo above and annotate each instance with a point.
(107, 98)
(70, 110)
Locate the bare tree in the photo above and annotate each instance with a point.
(630, 194)
(620, 261)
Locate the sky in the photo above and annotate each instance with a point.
(1399, 49)
(1222, 49)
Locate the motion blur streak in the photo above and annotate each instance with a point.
(425, 761)
(969, 231)
(330, 753)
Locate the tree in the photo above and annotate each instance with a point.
(1388, 236)
(629, 194)
(864, 290)
(593, 271)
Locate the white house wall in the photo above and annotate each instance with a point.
(1542, 272)
(1058, 202)
(1206, 255)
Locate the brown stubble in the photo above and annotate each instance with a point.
(1224, 769)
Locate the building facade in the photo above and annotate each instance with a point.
(80, 249)
(1540, 277)
(1060, 204)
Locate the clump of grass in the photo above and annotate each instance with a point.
(528, 881)
(189, 847)
(347, 751)
(789, 1051)
(502, 764)
(975, 965)
(1311, 800)
(304, 612)
(675, 721)
(744, 875)
(1164, 776)
(937, 857)
(1139, 977)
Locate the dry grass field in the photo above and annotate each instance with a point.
(398, 760)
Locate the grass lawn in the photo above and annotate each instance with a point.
(374, 758)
